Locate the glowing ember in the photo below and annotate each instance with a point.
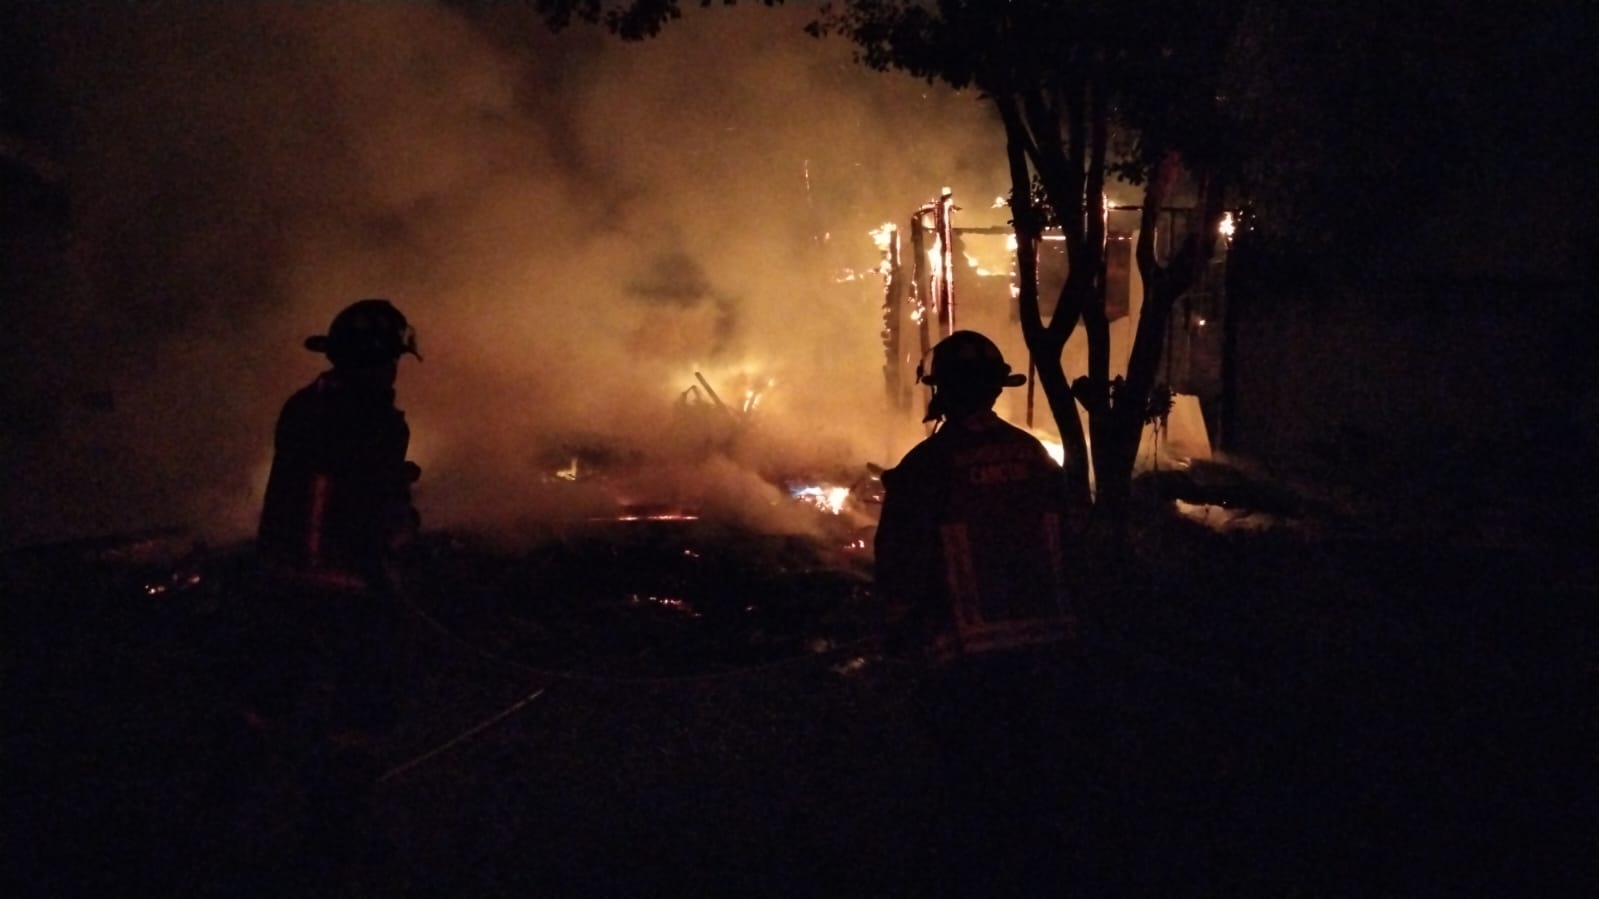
(674, 604)
(178, 582)
(828, 499)
(649, 511)
(1228, 225)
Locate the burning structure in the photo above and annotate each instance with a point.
(969, 273)
(663, 245)
(936, 276)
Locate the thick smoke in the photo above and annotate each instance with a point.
(574, 225)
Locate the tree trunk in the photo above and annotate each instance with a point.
(1124, 428)
(1045, 343)
(1163, 285)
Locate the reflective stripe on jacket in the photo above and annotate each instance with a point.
(970, 546)
(339, 490)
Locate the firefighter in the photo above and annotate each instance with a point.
(971, 561)
(338, 499)
(336, 516)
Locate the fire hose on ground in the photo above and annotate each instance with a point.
(551, 677)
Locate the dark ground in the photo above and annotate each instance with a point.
(1270, 715)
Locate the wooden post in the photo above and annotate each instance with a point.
(893, 303)
(945, 235)
(919, 283)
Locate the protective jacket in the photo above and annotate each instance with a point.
(970, 546)
(338, 498)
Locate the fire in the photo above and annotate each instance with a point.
(828, 499)
(1228, 225)
(1056, 451)
(883, 236)
(754, 391)
(652, 516)
(747, 389)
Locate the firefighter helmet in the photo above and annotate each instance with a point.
(967, 369)
(968, 359)
(365, 333)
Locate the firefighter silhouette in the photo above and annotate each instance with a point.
(971, 568)
(970, 546)
(336, 515)
(338, 499)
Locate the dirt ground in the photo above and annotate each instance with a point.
(1265, 714)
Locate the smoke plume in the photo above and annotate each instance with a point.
(574, 225)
